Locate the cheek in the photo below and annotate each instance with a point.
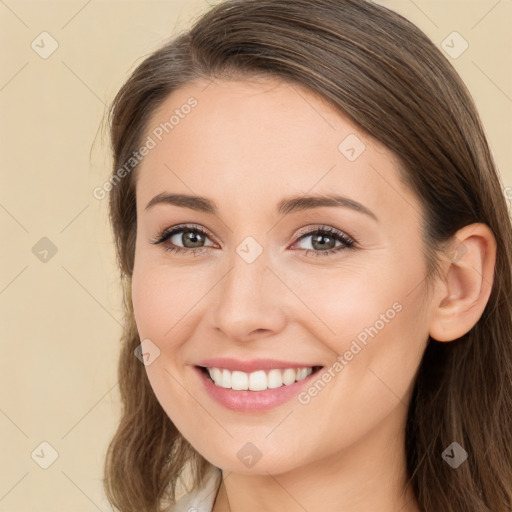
(161, 298)
(149, 302)
(373, 318)
(342, 303)
(160, 305)
(380, 339)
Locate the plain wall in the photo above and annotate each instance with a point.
(61, 313)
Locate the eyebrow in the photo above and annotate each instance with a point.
(284, 207)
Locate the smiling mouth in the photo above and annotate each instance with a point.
(259, 380)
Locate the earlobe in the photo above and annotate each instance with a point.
(467, 277)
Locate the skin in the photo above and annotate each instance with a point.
(247, 145)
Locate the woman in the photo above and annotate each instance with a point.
(375, 377)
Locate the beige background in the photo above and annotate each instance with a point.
(60, 318)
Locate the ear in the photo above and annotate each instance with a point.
(465, 284)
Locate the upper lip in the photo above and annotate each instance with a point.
(252, 365)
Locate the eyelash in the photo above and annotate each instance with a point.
(349, 242)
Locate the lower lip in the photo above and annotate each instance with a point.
(253, 401)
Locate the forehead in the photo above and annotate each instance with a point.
(249, 142)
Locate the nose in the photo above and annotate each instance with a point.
(250, 301)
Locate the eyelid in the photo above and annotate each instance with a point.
(344, 238)
(167, 232)
(308, 230)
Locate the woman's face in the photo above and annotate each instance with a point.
(265, 289)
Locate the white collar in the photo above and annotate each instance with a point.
(201, 499)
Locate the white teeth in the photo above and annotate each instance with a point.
(225, 380)
(302, 373)
(274, 379)
(289, 376)
(239, 381)
(258, 380)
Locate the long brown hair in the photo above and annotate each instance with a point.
(385, 75)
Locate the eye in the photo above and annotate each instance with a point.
(190, 236)
(193, 237)
(323, 241)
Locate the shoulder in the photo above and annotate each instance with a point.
(200, 499)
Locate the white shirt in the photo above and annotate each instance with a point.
(202, 498)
